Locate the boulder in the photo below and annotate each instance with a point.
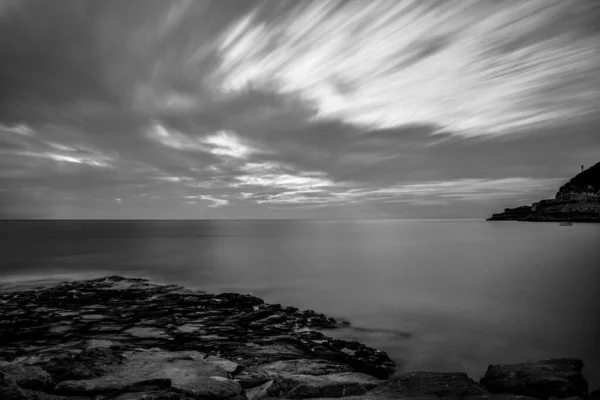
(543, 379)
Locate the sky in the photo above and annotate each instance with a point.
(293, 109)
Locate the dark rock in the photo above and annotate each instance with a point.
(259, 392)
(309, 386)
(441, 384)
(370, 396)
(66, 368)
(304, 367)
(9, 390)
(111, 385)
(27, 377)
(548, 378)
(186, 373)
(251, 378)
(162, 395)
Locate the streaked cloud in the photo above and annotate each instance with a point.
(227, 144)
(469, 67)
(216, 202)
(222, 143)
(94, 161)
(422, 193)
(19, 129)
(271, 174)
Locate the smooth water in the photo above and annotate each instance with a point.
(443, 295)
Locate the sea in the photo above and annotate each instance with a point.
(436, 295)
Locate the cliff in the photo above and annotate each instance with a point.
(576, 201)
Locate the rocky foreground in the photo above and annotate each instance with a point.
(576, 201)
(128, 339)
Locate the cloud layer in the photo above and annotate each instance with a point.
(209, 109)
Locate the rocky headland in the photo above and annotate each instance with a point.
(128, 339)
(576, 201)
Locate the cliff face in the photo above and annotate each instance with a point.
(578, 200)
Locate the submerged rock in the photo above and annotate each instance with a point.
(543, 379)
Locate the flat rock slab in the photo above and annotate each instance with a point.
(543, 379)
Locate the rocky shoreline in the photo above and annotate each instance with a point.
(128, 339)
(576, 201)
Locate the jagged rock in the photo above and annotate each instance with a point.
(333, 385)
(543, 379)
(27, 377)
(166, 317)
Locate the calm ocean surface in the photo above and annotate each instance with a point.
(453, 295)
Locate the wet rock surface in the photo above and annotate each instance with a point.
(117, 337)
(128, 339)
